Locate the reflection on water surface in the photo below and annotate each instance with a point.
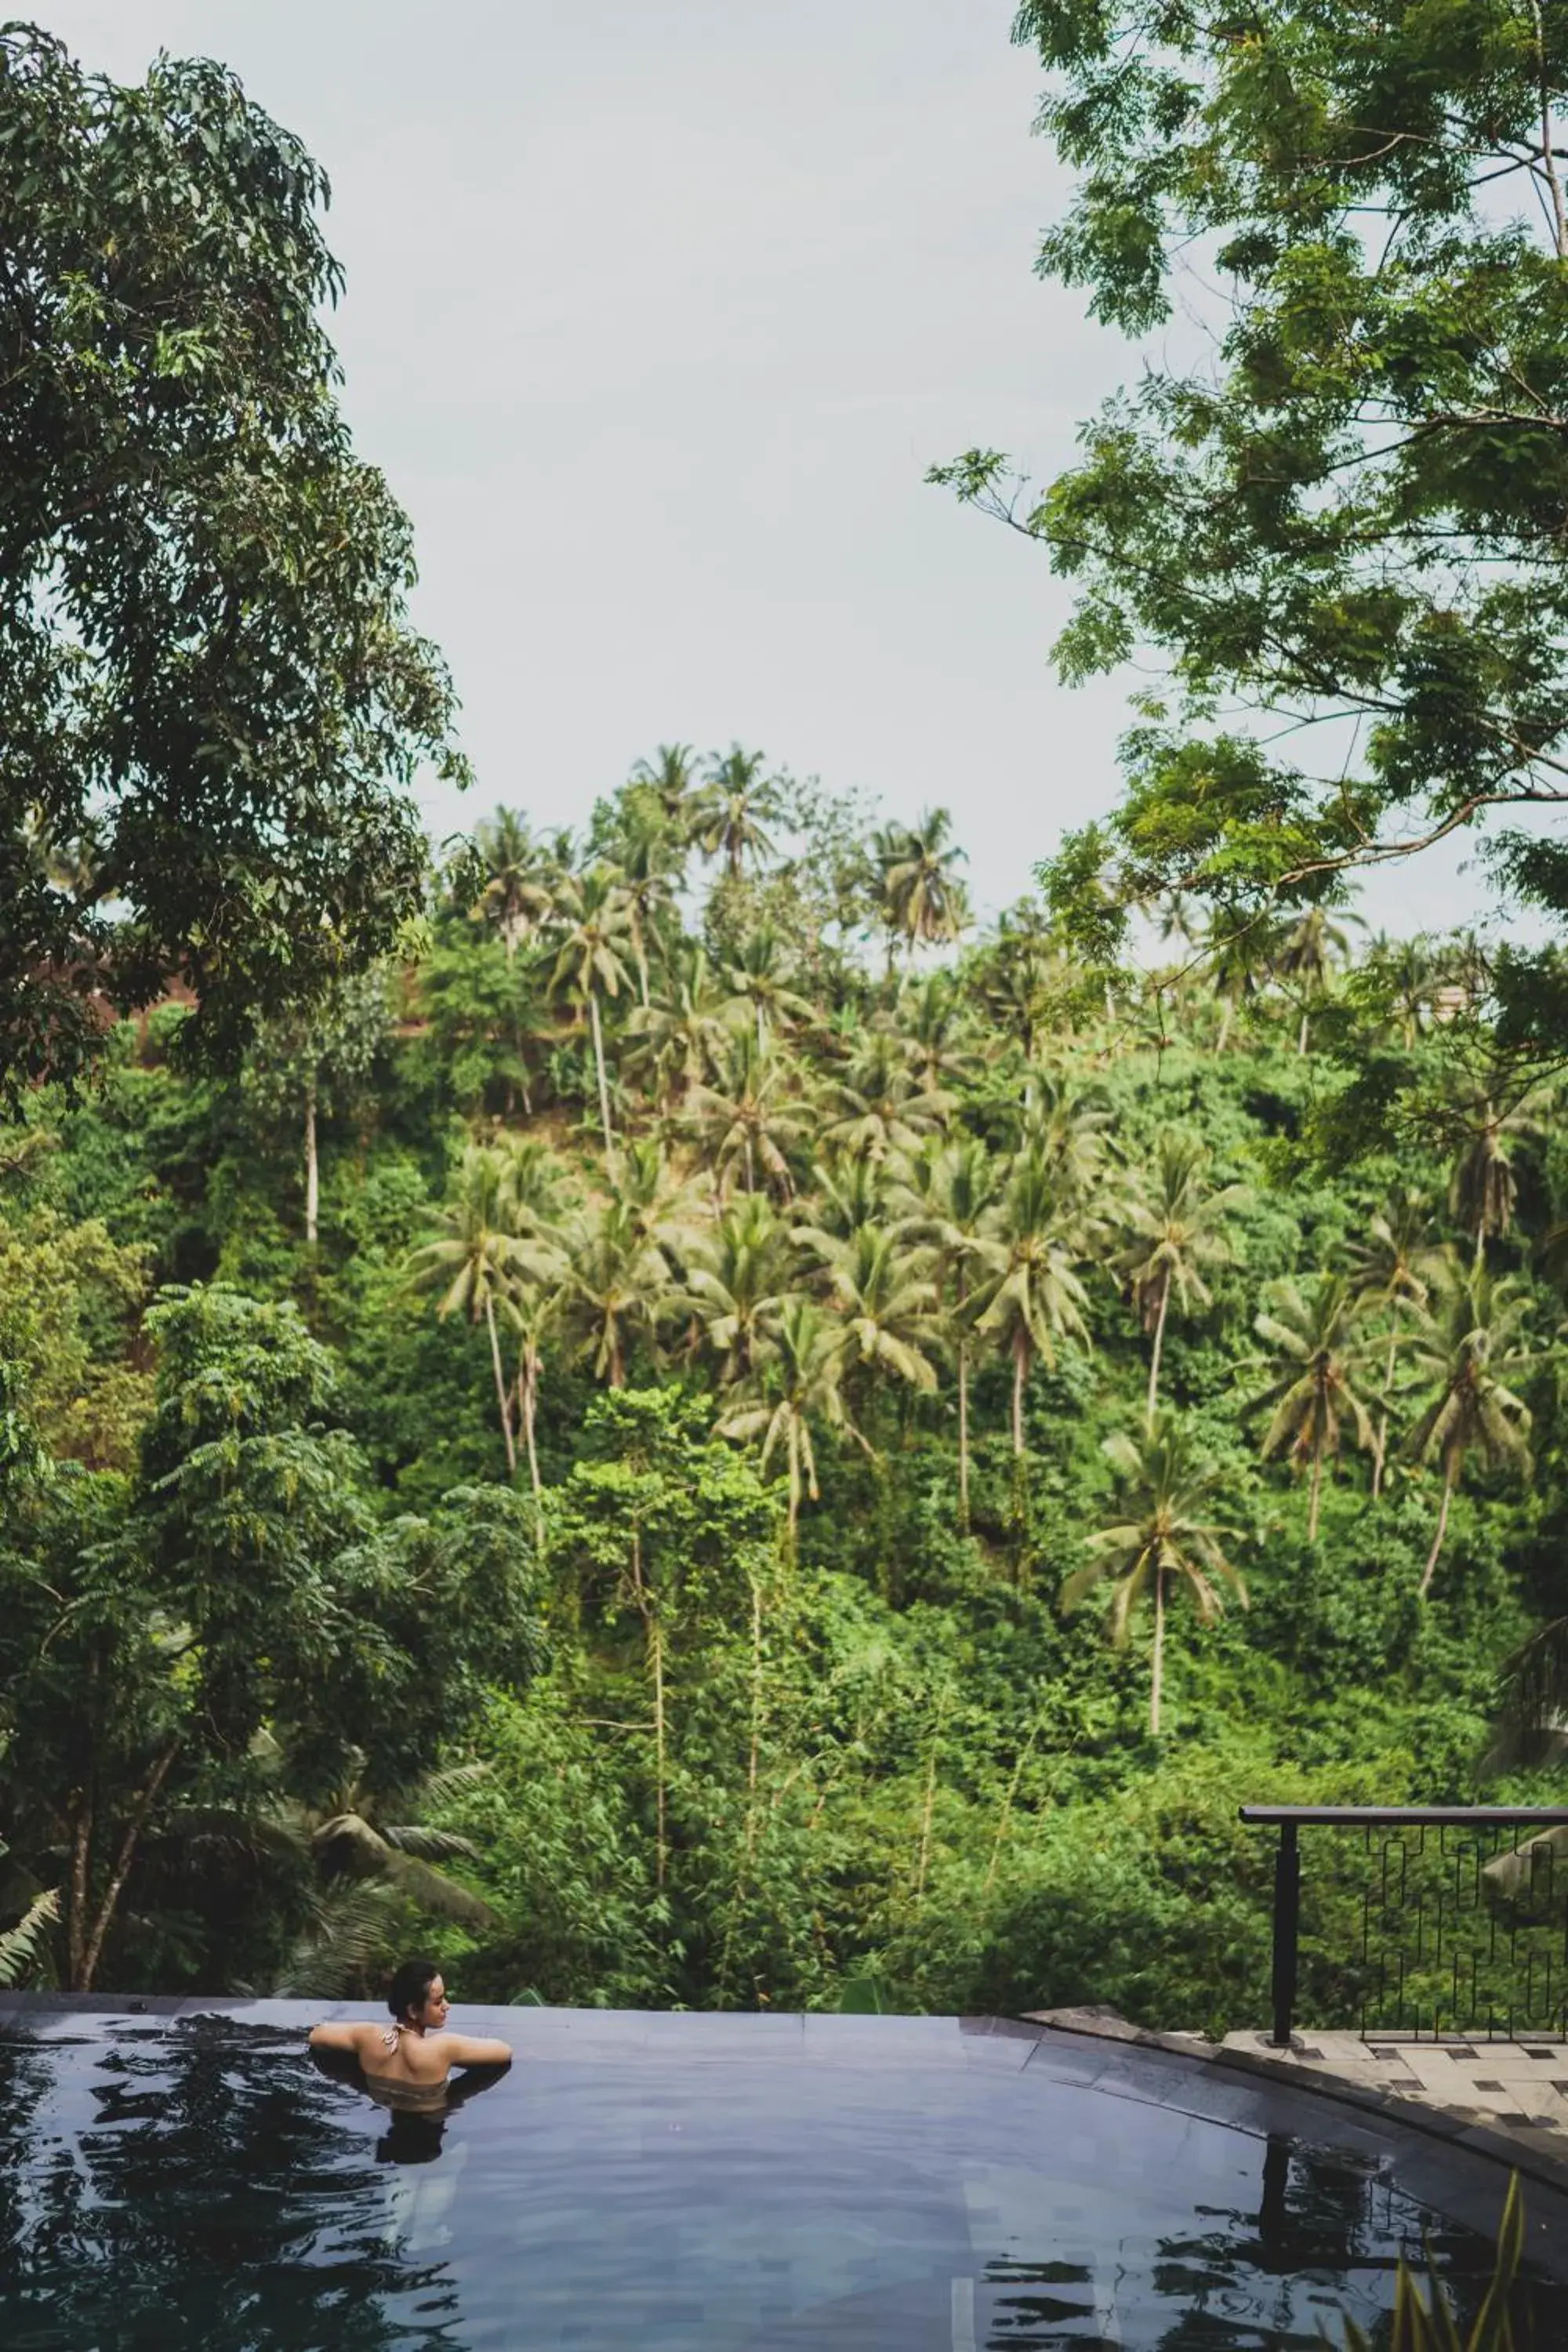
(699, 2185)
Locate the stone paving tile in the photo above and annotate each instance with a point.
(1505, 2087)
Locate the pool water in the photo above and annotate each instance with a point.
(736, 2184)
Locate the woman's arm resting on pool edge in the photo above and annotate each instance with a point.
(335, 2037)
(465, 2050)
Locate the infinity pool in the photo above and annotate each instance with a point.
(706, 2184)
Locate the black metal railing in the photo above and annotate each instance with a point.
(1447, 1945)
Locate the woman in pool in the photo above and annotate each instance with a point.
(407, 2061)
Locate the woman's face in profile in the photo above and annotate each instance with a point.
(437, 2007)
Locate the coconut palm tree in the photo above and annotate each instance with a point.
(1160, 1538)
(731, 812)
(1305, 960)
(531, 1200)
(532, 1308)
(881, 1292)
(519, 892)
(1407, 975)
(736, 1275)
(618, 1285)
(800, 1389)
(359, 1832)
(878, 1106)
(1318, 1358)
(1468, 1345)
(947, 1198)
(1236, 950)
(648, 858)
(933, 1028)
(753, 1117)
(1019, 976)
(847, 1193)
(923, 899)
(471, 1259)
(365, 1846)
(1484, 1188)
(1389, 1269)
(671, 776)
(759, 990)
(1067, 1130)
(591, 963)
(1028, 1296)
(683, 1035)
(1175, 1228)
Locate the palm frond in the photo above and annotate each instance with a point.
(22, 1946)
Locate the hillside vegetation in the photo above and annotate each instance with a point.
(713, 1433)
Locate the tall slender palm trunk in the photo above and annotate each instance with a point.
(1159, 1350)
(963, 1437)
(1380, 1453)
(1430, 1568)
(1157, 1683)
(312, 1165)
(502, 1399)
(660, 1860)
(653, 1636)
(1317, 1495)
(599, 1068)
(528, 1402)
(1020, 1374)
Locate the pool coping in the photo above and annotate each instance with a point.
(1455, 2129)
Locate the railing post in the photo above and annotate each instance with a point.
(1286, 1925)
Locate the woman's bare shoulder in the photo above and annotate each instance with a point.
(467, 2050)
(343, 2033)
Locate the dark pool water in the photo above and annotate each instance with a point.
(705, 2185)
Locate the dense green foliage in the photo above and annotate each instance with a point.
(595, 1439)
(211, 703)
(1340, 521)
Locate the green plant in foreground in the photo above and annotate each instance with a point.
(1419, 2327)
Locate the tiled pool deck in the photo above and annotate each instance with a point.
(1513, 2092)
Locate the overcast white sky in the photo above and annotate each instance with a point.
(657, 312)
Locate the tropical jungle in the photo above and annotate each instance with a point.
(708, 1436)
(659, 1408)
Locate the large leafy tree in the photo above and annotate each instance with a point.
(1346, 517)
(211, 703)
(161, 1632)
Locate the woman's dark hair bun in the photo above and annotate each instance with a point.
(409, 1986)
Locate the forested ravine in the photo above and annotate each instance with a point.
(711, 1434)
